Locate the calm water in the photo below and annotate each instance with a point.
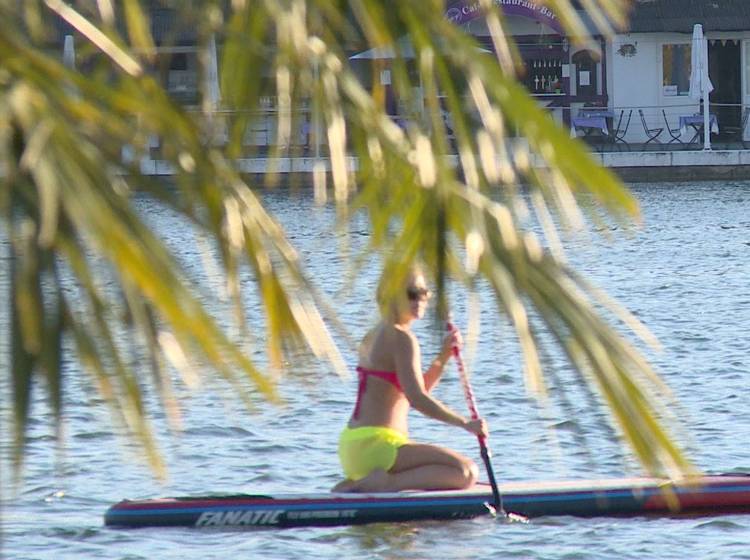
(685, 274)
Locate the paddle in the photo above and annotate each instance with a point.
(471, 401)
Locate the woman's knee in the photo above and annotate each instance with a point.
(469, 473)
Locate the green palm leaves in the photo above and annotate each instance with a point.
(89, 276)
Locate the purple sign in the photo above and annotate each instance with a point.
(466, 10)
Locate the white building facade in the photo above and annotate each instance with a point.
(649, 70)
(643, 71)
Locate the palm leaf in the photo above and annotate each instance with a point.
(67, 191)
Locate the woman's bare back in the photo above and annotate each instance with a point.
(382, 404)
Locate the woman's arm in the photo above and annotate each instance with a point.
(434, 373)
(407, 360)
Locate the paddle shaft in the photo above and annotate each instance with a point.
(472, 403)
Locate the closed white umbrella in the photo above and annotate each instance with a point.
(212, 90)
(700, 83)
(212, 75)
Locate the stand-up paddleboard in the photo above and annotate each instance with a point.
(706, 495)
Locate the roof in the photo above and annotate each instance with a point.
(167, 27)
(651, 16)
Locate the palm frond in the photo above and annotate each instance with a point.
(67, 194)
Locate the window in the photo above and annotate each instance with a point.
(676, 69)
(179, 62)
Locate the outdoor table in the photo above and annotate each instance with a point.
(589, 125)
(591, 121)
(696, 122)
(605, 113)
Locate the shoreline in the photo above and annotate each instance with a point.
(646, 166)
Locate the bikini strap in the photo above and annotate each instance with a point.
(364, 373)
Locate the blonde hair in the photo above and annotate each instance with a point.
(390, 293)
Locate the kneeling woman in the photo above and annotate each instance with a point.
(374, 448)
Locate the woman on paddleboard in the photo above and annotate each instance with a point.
(375, 451)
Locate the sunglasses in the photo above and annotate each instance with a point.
(415, 294)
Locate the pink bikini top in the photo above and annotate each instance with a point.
(387, 376)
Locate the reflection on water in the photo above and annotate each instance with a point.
(684, 274)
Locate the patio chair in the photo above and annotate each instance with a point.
(675, 133)
(618, 135)
(448, 122)
(652, 133)
(739, 131)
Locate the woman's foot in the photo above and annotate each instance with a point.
(344, 486)
(376, 481)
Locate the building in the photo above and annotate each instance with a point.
(561, 76)
(648, 66)
(644, 69)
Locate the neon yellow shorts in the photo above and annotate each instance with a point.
(364, 449)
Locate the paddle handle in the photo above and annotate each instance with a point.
(472, 404)
(468, 391)
(471, 401)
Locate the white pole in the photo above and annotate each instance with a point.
(315, 112)
(705, 93)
